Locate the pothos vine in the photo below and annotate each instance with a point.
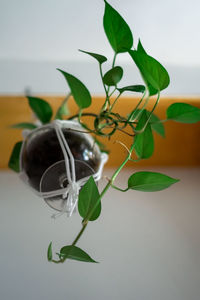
(138, 124)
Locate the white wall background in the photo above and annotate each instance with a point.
(38, 36)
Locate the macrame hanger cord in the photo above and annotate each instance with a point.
(71, 193)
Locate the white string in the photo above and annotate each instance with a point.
(69, 153)
(73, 187)
(65, 152)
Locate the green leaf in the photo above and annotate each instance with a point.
(113, 76)
(183, 112)
(88, 199)
(156, 125)
(24, 126)
(117, 30)
(14, 158)
(153, 73)
(100, 58)
(41, 108)
(150, 181)
(62, 111)
(133, 88)
(140, 48)
(49, 252)
(154, 121)
(144, 142)
(78, 89)
(75, 253)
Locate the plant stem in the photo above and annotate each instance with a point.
(154, 107)
(80, 233)
(114, 59)
(109, 184)
(114, 102)
(123, 164)
(107, 101)
(157, 100)
(79, 115)
(130, 116)
(112, 179)
(112, 92)
(113, 64)
(141, 110)
(101, 74)
(84, 114)
(119, 189)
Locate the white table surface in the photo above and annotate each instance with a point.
(148, 244)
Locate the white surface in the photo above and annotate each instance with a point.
(148, 244)
(38, 36)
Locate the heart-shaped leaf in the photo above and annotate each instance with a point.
(75, 253)
(14, 158)
(88, 199)
(144, 142)
(113, 76)
(41, 108)
(183, 112)
(133, 88)
(140, 48)
(100, 58)
(153, 73)
(150, 181)
(78, 89)
(24, 125)
(117, 30)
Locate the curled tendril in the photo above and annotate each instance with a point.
(104, 122)
(107, 120)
